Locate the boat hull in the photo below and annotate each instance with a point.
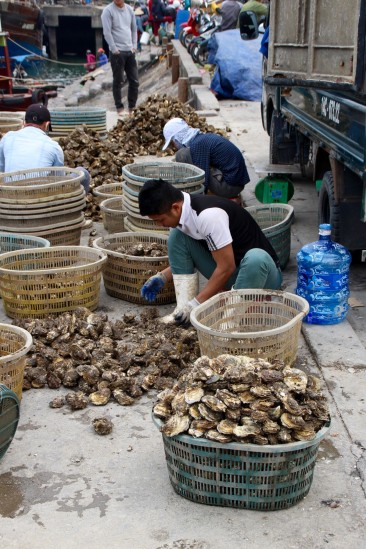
(24, 23)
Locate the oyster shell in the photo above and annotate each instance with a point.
(76, 401)
(123, 398)
(102, 425)
(161, 409)
(230, 399)
(214, 403)
(193, 394)
(101, 397)
(295, 379)
(209, 414)
(217, 437)
(194, 411)
(57, 402)
(226, 427)
(292, 422)
(175, 425)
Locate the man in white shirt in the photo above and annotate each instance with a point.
(211, 235)
(31, 147)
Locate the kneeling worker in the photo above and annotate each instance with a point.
(223, 163)
(212, 236)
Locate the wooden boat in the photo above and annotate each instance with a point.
(15, 98)
(23, 20)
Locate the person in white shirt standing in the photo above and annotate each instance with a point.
(31, 147)
(120, 33)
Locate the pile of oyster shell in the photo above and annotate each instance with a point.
(151, 249)
(140, 134)
(100, 360)
(242, 399)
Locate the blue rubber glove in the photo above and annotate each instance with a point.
(152, 286)
(182, 316)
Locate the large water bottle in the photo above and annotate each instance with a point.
(322, 278)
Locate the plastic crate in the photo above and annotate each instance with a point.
(275, 221)
(9, 417)
(14, 345)
(39, 282)
(124, 275)
(113, 214)
(245, 476)
(256, 323)
(11, 242)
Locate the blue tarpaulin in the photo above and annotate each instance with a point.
(238, 63)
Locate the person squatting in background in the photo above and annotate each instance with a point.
(102, 57)
(223, 163)
(90, 61)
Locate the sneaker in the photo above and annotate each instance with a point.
(120, 110)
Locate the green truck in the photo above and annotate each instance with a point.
(314, 105)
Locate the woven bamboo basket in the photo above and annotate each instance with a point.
(107, 191)
(113, 214)
(14, 344)
(29, 207)
(183, 176)
(11, 242)
(256, 323)
(38, 183)
(124, 275)
(36, 283)
(275, 221)
(65, 236)
(34, 222)
(131, 227)
(10, 124)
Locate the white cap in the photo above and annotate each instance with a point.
(171, 128)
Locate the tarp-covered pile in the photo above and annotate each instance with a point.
(238, 66)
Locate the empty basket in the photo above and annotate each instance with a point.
(12, 242)
(256, 323)
(14, 345)
(113, 214)
(124, 275)
(275, 221)
(39, 282)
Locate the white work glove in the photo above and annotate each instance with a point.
(182, 315)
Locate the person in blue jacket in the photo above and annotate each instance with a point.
(102, 57)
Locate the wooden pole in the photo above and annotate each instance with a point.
(169, 53)
(182, 89)
(175, 67)
(164, 45)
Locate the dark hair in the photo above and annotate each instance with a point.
(157, 196)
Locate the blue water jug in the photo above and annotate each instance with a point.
(322, 278)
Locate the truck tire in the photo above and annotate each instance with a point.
(328, 210)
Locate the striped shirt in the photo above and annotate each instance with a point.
(209, 150)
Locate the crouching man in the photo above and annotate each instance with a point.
(212, 236)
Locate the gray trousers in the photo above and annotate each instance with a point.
(124, 62)
(216, 183)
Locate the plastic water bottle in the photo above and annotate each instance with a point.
(322, 278)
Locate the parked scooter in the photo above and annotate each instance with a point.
(191, 28)
(199, 45)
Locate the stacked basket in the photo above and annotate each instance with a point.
(185, 177)
(109, 190)
(65, 120)
(46, 202)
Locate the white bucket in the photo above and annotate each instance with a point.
(145, 38)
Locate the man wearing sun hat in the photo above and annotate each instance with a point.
(223, 163)
(31, 147)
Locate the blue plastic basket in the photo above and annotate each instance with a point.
(245, 476)
(9, 417)
(10, 242)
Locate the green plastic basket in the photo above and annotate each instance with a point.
(9, 417)
(245, 476)
(275, 221)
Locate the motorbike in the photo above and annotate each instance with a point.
(191, 28)
(199, 45)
